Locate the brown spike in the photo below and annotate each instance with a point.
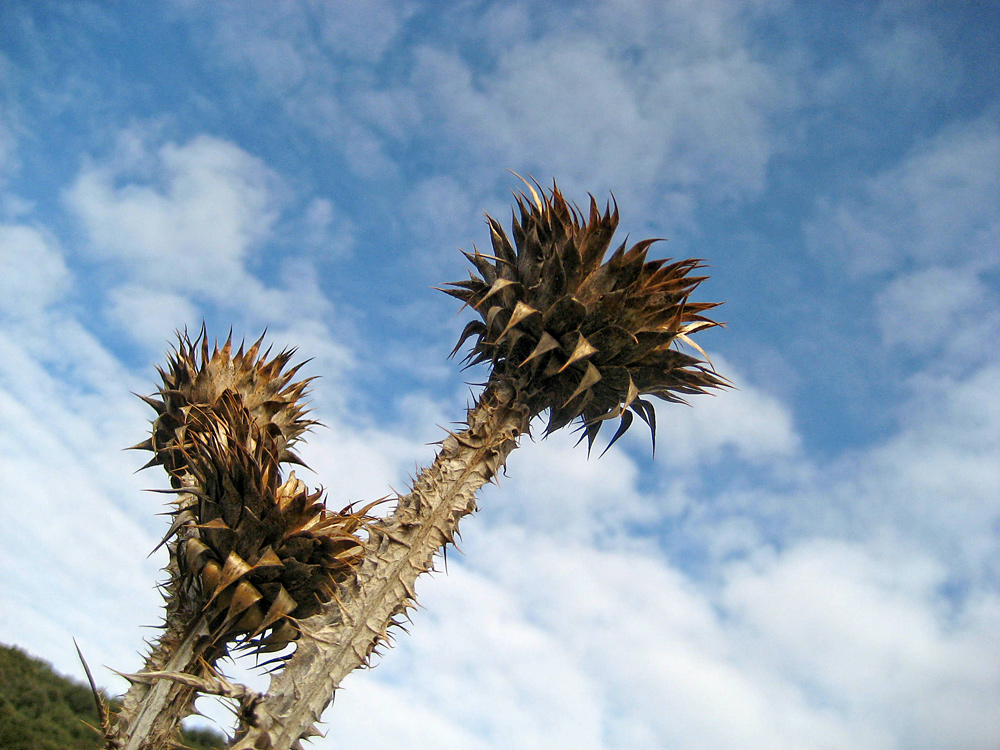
(521, 312)
(267, 559)
(582, 350)
(590, 376)
(498, 286)
(195, 554)
(154, 402)
(545, 344)
(244, 595)
(283, 634)
(210, 576)
(234, 569)
(282, 606)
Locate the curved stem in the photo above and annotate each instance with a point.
(399, 549)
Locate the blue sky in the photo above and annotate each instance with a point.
(807, 562)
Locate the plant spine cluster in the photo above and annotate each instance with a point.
(250, 553)
(576, 335)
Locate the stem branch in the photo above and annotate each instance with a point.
(399, 549)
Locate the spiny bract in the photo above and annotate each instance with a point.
(576, 336)
(255, 553)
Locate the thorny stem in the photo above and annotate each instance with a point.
(399, 549)
(153, 709)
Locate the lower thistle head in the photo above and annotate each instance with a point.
(252, 552)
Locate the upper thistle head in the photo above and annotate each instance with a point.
(578, 335)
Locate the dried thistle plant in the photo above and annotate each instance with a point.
(249, 554)
(563, 330)
(578, 337)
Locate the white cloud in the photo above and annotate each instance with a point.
(570, 104)
(532, 641)
(150, 317)
(287, 42)
(183, 217)
(359, 461)
(867, 635)
(930, 486)
(9, 162)
(272, 41)
(940, 205)
(936, 480)
(361, 30)
(655, 100)
(444, 214)
(530, 692)
(34, 272)
(305, 55)
(747, 420)
(181, 228)
(406, 719)
(947, 307)
(324, 111)
(327, 229)
(76, 529)
(909, 61)
(551, 485)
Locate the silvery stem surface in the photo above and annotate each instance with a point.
(399, 549)
(153, 708)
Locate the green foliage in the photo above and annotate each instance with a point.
(203, 739)
(41, 710)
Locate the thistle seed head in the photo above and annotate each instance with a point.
(577, 335)
(254, 552)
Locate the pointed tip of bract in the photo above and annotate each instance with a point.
(536, 200)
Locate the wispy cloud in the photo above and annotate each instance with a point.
(205, 205)
(938, 205)
(654, 102)
(28, 288)
(865, 634)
